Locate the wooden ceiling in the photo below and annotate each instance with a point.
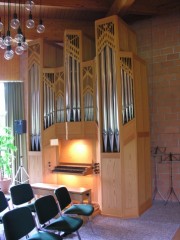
(90, 10)
(83, 13)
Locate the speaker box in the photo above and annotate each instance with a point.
(20, 126)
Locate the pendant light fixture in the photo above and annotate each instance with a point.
(1, 25)
(15, 22)
(24, 43)
(40, 27)
(29, 5)
(30, 21)
(8, 38)
(9, 53)
(19, 36)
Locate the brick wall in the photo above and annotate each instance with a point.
(159, 44)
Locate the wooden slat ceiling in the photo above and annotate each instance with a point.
(90, 10)
(59, 15)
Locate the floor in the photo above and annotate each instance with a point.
(160, 222)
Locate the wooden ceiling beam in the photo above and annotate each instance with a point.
(75, 4)
(119, 7)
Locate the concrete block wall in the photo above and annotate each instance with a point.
(159, 45)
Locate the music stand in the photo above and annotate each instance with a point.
(21, 175)
(171, 190)
(156, 190)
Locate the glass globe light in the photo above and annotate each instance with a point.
(30, 22)
(19, 37)
(19, 49)
(40, 27)
(8, 39)
(24, 44)
(9, 53)
(2, 44)
(29, 5)
(15, 22)
(1, 25)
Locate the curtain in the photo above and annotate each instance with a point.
(14, 105)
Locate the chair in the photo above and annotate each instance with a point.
(3, 204)
(22, 194)
(68, 207)
(19, 223)
(50, 219)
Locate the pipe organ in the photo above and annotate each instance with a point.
(101, 100)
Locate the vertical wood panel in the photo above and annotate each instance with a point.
(111, 185)
(35, 167)
(9, 70)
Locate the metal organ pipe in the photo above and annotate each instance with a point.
(78, 91)
(68, 88)
(104, 100)
(35, 107)
(110, 116)
(127, 90)
(73, 90)
(110, 97)
(115, 103)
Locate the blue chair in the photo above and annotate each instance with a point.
(23, 194)
(19, 223)
(3, 204)
(50, 219)
(66, 205)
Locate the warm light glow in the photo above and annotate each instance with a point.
(79, 147)
(79, 150)
(71, 180)
(76, 151)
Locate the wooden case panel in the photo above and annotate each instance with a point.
(130, 179)
(35, 167)
(50, 156)
(111, 184)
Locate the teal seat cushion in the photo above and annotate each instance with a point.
(80, 209)
(65, 224)
(45, 236)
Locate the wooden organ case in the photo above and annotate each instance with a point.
(124, 121)
(96, 100)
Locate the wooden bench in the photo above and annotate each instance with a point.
(77, 194)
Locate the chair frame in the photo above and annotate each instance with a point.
(67, 207)
(51, 219)
(19, 222)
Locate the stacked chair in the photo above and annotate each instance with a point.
(19, 223)
(67, 207)
(3, 204)
(50, 218)
(54, 219)
(23, 194)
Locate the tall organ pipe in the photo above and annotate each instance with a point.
(115, 102)
(78, 91)
(37, 108)
(32, 107)
(104, 100)
(110, 97)
(68, 88)
(45, 105)
(122, 92)
(73, 89)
